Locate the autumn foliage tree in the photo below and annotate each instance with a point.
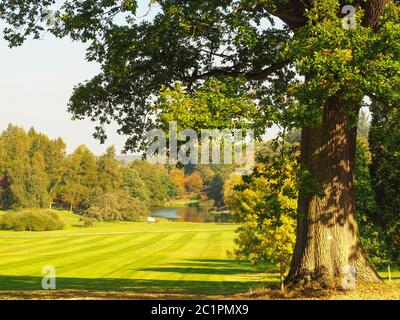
(178, 177)
(194, 183)
(267, 241)
(265, 203)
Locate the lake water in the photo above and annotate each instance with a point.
(190, 213)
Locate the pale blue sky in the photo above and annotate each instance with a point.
(36, 81)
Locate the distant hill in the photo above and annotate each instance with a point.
(128, 158)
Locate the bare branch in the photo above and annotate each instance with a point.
(232, 71)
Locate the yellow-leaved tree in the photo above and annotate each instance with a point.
(265, 204)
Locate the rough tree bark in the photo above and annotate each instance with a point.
(328, 244)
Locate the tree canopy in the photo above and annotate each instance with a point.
(267, 44)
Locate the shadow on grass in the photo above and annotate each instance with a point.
(81, 226)
(23, 287)
(386, 278)
(11, 283)
(217, 267)
(18, 286)
(196, 270)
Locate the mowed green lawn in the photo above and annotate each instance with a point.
(141, 260)
(167, 259)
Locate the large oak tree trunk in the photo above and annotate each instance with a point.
(328, 246)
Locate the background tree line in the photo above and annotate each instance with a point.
(37, 172)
